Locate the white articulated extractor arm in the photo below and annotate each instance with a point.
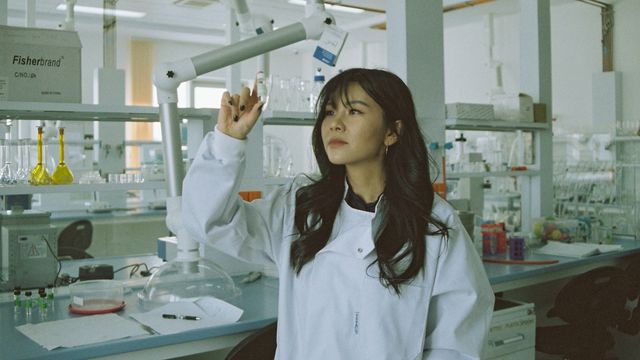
(168, 76)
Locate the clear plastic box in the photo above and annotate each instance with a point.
(563, 230)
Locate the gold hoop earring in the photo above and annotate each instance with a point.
(386, 150)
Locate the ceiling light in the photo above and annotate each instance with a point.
(198, 4)
(331, 7)
(101, 11)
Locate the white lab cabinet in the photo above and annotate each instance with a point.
(512, 335)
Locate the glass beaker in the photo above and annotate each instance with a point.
(39, 174)
(62, 174)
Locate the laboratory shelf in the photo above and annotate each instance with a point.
(625, 138)
(486, 174)
(493, 125)
(509, 195)
(76, 188)
(295, 118)
(17, 110)
(275, 117)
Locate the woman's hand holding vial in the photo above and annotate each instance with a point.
(239, 113)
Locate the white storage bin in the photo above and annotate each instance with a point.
(469, 111)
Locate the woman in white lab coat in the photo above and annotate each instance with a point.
(372, 264)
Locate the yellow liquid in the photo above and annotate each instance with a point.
(39, 174)
(62, 174)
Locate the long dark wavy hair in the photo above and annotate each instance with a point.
(408, 193)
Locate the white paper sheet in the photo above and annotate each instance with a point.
(576, 250)
(81, 330)
(209, 310)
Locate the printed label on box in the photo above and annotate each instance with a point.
(330, 45)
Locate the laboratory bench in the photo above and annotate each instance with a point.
(258, 300)
(504, 277)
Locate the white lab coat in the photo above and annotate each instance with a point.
(336, 308)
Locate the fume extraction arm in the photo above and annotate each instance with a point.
(190, 276)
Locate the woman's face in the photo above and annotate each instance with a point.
(354, 132)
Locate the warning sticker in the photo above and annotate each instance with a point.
(33, 246)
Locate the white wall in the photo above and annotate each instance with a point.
(576, 54)
(626, 54)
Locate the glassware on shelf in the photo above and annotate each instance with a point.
(22, 173)
(91, 177)
(39, 174)
(62, 175)
(7, 175)
(285, 92)
(276, 98)
(277, 160)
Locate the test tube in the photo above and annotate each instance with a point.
(261, 87)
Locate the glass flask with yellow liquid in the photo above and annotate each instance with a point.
(39, 174)
(62, 175)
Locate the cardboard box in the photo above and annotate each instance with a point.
(539, 113)
(40, 65)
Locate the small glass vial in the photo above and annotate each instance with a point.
(51, 293)
(17, 301)
(42, 302)
(28, 305)
(28, 300)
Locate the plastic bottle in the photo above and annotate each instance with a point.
(318, 84)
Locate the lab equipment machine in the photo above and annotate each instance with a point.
(27, 247)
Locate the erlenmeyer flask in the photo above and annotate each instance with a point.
(62, 174)
(39, 174)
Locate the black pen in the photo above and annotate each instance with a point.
(182, 317)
